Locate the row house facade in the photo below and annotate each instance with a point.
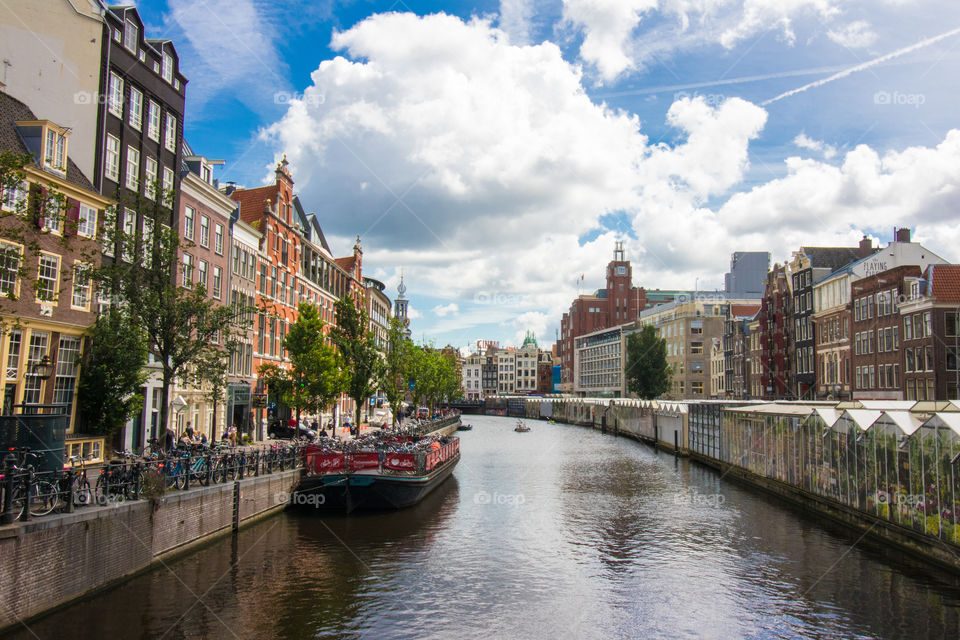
(295, 265)
(48, 246)
(839, 303)
(776, 335)
(736, 350)
(472, 375)
(808, 265)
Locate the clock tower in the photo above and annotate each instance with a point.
(400, 307)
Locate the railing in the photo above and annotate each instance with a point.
(319, 461)
(28, 494)
(423, 427)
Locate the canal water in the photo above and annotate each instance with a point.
(558, 533)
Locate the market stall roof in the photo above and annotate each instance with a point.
(947, 419)
(898, 422)
(858, 420)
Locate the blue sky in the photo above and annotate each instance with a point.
(494, 151)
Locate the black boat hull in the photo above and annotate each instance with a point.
(350, 492)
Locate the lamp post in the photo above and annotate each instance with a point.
(41, 370)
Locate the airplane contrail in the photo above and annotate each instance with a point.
(865, 65)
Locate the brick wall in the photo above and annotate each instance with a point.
(51, 561)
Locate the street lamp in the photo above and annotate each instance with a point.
(43, 368)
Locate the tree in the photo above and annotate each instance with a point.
(647, 372)
(112, 373)
(211, 371)
(357, 345)
(395, 378)
(184, 328)
(314, 379)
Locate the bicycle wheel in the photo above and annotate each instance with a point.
(180, 478)
(217, 473)
(102, 489)
(82, 495)
(200, 472)
(44, 498)
(232, 468)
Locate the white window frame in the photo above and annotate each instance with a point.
(55, 149)
(132, 178)
(170, 133)
(187, 273)
(87, 221)
(202, 273)
(205, 232)
(9, 249)
(217, 289)
(189, 216)
(135, 117)
(85, 286)
(167, 67)
(167, 183)
(14, 200)
(55, 284)
(129, 234)
(150, 178)
(111, 158)
(115, 96)
(218, 239)
(131, 34)
(153, 121)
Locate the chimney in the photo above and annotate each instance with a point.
(901, 235)
(865, 248)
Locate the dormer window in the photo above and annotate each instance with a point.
(55, 149)
(130, 33)
(168, 67)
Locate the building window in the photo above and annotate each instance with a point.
(167, 67)
(13, 354)
(32, 383)
(133, 169)
(68, 356)
(10, 257)
(170, 133)
(187, 270)
(111, 164)
(204, 231)
(81, 286)
(202, 273)
(115, 97)
(188, 222)
(129, 230)
(130, 32)
(13, 197)
(48, 276)
(135, 117)
(153, 121)
(217, 282)
(55, 150)
(168, 185)
(218, 239)
(87, 221)
(150, 176)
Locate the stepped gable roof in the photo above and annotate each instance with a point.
(253, 202)
(944, 282)
(11, 111)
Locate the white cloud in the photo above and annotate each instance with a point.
(485, 163)
(614, 42)
(855, 35)
(443, 310)
(516, 20)
(805, 142)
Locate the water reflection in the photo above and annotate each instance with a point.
(557, 533)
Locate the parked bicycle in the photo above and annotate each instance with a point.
(31, 490)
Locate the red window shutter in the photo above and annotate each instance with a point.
(73, 216)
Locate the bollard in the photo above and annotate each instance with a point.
(8, 516)
(256, 467)
(236, 505)
(27, 483)
(209, 458)
(187, 469)
(68, 480)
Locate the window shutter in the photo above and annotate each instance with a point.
(73, 216)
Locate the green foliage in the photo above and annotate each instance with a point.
(647, 372)
(315, 377)
(184, 327)
(356, 343)
(435, 376)
(111, 373)
(394, 382)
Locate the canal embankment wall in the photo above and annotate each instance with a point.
(49, 562)
(825, 478)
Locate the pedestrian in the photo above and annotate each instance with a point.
(168, 440)
(232, 435)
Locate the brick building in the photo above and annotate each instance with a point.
(47, 301)
(618, 303)
(931, 339)
(776, 335)
(876, 355)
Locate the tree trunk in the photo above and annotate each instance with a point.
(164, 407)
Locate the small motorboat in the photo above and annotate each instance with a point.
(521, 427)
(465, 427)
